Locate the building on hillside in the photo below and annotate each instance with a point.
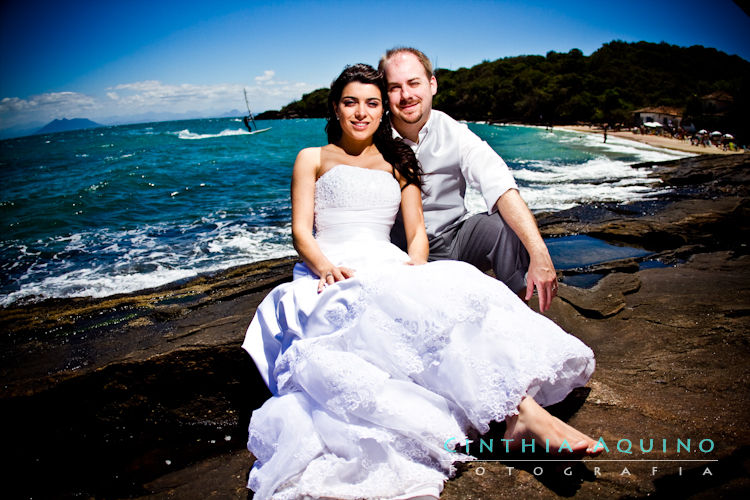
(661, 114)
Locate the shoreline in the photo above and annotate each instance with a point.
(651, 140)
(151, 392)
(32, 283)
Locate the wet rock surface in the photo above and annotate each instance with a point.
(605, 299)
(149, 394)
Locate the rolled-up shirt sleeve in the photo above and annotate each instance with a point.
(484, 170)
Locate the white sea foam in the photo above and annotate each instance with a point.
(547, 186)
(187, 134)
(564, 196)
(645, 152)
(137, 259)
(597, 169)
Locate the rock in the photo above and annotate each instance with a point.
(687, 221)
(121, 386)
(605, 299)
(710, 172)
(711, 222)
(71, 337)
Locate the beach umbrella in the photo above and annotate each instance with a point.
(715, 132)
(728, 136)
(702, 131)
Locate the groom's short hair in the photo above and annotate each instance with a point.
(409, 50)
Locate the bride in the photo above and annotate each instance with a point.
(380, 363)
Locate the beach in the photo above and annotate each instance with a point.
(149, 394)
(658, 141)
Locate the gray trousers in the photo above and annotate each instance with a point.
(487, 242)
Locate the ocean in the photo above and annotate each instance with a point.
(117, 209)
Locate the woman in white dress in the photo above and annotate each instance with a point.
(379, 362)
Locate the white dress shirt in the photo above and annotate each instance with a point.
(451, 156)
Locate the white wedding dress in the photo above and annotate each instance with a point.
(373, 376)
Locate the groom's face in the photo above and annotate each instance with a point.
(410, 90)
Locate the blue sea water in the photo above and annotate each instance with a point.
(117, 209)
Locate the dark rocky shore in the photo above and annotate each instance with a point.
(149, 394)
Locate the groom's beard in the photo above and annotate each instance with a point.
(413, 115)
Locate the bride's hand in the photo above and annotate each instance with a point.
(332, 275)
(416, 262)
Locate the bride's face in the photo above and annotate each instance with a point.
(360, 110)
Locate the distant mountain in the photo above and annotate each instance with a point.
(232, 114)
(64, 125)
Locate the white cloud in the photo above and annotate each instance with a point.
(49, 102)
(151, 96)
(266, 77)
(15, 111)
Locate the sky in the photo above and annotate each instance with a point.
(128, 61)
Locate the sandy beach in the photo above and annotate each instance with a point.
(652, 140)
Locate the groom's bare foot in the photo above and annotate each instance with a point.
(534, 422)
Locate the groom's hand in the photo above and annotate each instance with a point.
(332, 275)
(541, 275)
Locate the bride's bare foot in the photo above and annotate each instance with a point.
(534, 422)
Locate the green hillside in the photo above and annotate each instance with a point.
(606, 86)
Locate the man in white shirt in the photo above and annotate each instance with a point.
(506, 238)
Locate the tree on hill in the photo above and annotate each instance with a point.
(605, 87)
(312, 105)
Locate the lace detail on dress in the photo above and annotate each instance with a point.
(342, 314)
(374, 375)
(345, 186)
(340, 381)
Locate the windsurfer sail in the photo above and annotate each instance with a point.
(248, 120)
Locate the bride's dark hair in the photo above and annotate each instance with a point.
(394, 151)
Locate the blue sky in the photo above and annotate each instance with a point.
(116, 61)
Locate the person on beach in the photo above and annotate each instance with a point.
(378, 362)
(506, 238)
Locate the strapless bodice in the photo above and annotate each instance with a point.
(354, 210)
(353, 203)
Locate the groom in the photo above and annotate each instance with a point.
(506, 238)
